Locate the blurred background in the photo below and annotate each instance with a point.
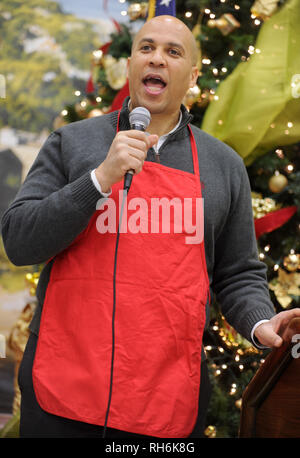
(63, 61)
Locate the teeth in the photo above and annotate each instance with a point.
(154, 78)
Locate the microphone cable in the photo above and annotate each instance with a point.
(114, 314)
(139, 119)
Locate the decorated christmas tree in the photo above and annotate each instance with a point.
(248, 96)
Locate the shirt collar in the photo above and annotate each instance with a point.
(171, 131)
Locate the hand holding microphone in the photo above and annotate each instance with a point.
(128, 152)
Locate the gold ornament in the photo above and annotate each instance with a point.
(80, 108)
(95, 112)
(285, 286)
(137, 11)
(210, 431)
(231, 338)
(192, 96)
(17, 341)
(264, 9)
(226, 24)
(238, 403)
(261, 207)
(97, 57)
(277, 182)
(116, 71)
(32, 281)
(19, 334)
(292, 262)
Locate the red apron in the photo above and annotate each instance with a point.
(162, 288)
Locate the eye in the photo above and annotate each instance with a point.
(146, 48)
(174, 52)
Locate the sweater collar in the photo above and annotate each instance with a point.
(185, 120)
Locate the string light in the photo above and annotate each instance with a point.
(233, 389)
(188, 14)
(267, 248)
(64, 112)
(77, 93)
(98, 53)
(123, 13)
(276, 267)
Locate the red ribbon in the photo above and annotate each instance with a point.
(273, 220)
(120, 97)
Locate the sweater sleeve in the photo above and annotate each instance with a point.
(240, 281)
(48, 211)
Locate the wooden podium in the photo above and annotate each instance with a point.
(271, 401)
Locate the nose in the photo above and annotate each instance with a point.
(157, 58)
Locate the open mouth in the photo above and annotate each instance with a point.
(154, 84)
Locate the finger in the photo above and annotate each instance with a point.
(267, 336)
(137, 153)
(137, 144)
(137, 134)
(134, 164)
(152, 140)
(282, 319)
(293, 313)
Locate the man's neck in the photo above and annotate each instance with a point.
(162, 125)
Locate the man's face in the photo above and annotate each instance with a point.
(161, 69)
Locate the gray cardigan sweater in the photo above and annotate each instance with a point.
(58, 198)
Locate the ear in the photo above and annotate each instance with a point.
(194, 76)
(128, 64)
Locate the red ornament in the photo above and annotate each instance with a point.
(273, 220)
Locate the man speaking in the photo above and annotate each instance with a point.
(163, 284)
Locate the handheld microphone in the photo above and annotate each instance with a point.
(139, 119)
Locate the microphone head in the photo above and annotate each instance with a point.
(140, 116)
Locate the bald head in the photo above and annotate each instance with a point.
(179, 27)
